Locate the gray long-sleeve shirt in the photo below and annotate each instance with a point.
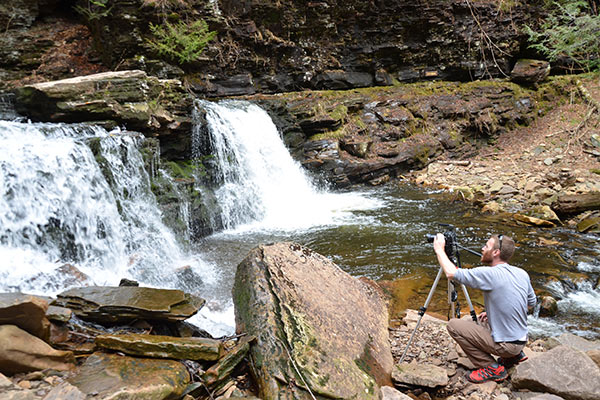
(507, 293)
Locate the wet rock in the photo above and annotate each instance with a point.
(563, 371)
(109, 376)
(589, 224)
(309, 314)
(59, 314)
(548, 306)
(530, 71)
(224, 367)
(532, 220)
(125, 303)
(158, 346)
(420, 375)
(22, 352)
(25, 311)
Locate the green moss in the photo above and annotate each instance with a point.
(595, 171)
(185, 170)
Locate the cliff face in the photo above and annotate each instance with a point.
(269, 46)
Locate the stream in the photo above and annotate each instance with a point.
(60, 211)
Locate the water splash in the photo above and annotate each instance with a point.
(66, 208)
(261, 187)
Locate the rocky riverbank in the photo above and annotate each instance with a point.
(527, 171)
(311, 330)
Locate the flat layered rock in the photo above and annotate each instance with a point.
(420, 375)
(122, 304)
(163, 346)
(112, 377)
(25, 311)
(23, 352)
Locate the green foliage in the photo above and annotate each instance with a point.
(94, 9)
(570, 30)
(180, 41)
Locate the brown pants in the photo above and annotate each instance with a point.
(477, 342)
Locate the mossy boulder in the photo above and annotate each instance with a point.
(316, 326)
(131, 98)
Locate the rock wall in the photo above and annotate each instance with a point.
(269, 46)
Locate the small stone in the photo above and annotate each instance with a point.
(549, 161)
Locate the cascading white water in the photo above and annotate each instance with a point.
(261, 186)
(58, 207)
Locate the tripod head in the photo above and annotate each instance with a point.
(451, 247)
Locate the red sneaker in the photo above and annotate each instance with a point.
(489, 373)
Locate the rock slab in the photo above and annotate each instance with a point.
(420, 375)
(112, 377)
(158, 346)
(316, 326)
(23, 352)
(563, 371)
(25, 311)
(106, 304)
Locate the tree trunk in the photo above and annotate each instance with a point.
(577, 203)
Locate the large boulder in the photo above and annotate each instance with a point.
(564, 371)
(22, 352)
(112, 377)
(319, 331)
(106, 304)
(130, 98)
(25, 311)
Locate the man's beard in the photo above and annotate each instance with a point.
(486, 258)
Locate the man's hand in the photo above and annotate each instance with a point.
(439, 243)
(482, 317)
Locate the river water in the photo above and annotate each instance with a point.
(59, 207)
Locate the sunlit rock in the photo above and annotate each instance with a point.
(420, 375)
(563, 371)
(315, 325)
(25, 311)
(22, 352)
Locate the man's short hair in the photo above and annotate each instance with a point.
(508, 246)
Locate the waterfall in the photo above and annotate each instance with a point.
(261, 187)
(77, 198)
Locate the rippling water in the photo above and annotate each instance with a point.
(387, 243)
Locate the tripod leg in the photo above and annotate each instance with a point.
(472, 310)
(422, 311)
(451, 299)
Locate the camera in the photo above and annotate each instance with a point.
(450, 236)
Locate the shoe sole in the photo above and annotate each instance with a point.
(487, 380)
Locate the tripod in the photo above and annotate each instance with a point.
(452, 250)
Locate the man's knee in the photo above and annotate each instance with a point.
(453, 327)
